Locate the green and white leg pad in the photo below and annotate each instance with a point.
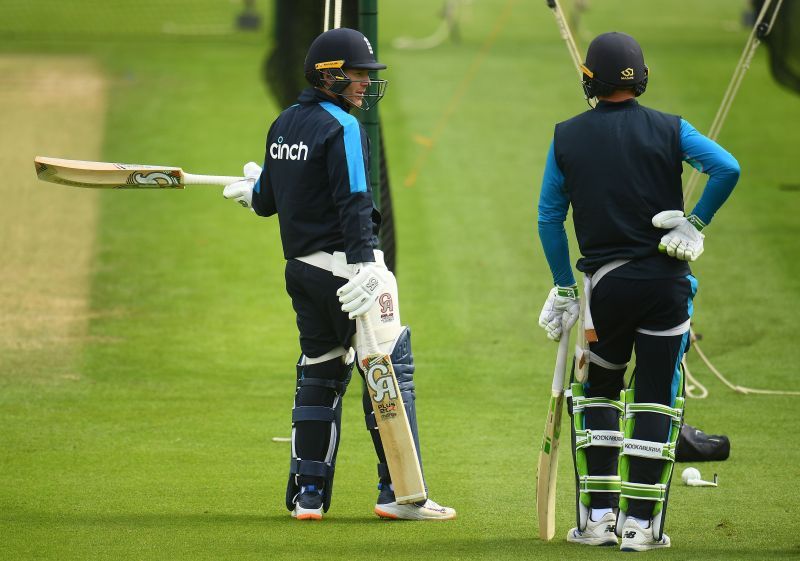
(658, 492)
(582, 438)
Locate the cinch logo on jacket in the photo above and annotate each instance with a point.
(280, 151)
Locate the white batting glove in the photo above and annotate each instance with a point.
(684, 240)
(361, 292)
(242, 191)
(560, 311)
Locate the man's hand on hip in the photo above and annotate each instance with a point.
(684, 240)
(560, 311)
(360, 293)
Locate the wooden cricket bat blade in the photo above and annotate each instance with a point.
(396, 437)
(107, 175)
(547, 469)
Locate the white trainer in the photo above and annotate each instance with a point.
(636, 538)
(428, 510)
(600, 532)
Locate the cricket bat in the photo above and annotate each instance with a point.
(547, 471)
(390, 415)
(106, 175)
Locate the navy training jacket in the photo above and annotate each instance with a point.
(316, 178)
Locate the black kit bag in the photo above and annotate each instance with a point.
(696, 446)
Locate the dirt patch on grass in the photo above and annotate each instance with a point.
(51, 106)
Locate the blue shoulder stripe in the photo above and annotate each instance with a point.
(352, 147)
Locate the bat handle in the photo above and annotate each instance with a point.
(368, 334)
(561, 363)
(194, 179)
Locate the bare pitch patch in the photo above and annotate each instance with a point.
(51, 106)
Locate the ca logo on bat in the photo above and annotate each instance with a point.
(381, 382)
(152, 178)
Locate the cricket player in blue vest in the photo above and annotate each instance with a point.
(618, 165)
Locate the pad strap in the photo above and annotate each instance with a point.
(644, 492)
(310, 467)
(313, 413)
(675, 413)
(600, 484)
(589, 437)
(579, 403)
(372, 423)
(336, 385)
(649, 449)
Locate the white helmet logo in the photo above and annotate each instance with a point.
(368, 46)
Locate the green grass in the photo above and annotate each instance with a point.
(160, 448)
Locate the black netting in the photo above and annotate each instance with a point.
(783, 42)
(388, 239)
(297, 23)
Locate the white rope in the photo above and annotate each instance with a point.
(724, 380)
(566, 34)
(742, 66)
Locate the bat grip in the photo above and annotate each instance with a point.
(194, 179)
(561, 363)
(367, 334)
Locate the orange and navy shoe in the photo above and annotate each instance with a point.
(308, 503)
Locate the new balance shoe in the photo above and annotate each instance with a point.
(600, 532)
(308, 504)
(636, 538)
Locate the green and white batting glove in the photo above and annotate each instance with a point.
(684, 240)
(242, 191)
(560, 311)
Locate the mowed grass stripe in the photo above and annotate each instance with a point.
(53, 106)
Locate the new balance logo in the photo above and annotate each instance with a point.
(280, 151)
(630, 534)
(610, 528)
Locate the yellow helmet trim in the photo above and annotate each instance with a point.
(329, 64)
